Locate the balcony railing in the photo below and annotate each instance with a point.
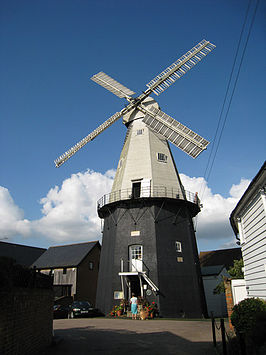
(155, 191)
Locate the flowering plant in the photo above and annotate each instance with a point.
(118, 308)
(115, 309)
(150, 308)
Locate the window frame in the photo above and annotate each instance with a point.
(162, 158)
(91, 265)
(178, 246)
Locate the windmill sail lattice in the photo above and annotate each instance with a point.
(112, 85)
(180, 67)
(181, 136)
(68, 154)
(175, 132)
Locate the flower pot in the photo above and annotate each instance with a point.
(143, 314)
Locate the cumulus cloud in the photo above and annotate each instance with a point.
(69, 211)
(11, 216)
(213, 220)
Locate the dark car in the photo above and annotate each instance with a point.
(83, 309)
(60, 311)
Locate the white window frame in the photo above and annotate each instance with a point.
(178, 247)
(161, 157)
(136, 254)
(241, 231)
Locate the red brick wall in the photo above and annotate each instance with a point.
(229, 299)
(26, 321)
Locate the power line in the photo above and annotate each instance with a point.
(228, 86)
(206, 176)
(234, 87)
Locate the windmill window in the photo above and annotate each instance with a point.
(178, 247)
(136, 187)
(136, 257)
(180, 259)
(136, 252)
(91, 265)
(140, 131)
(162, 157)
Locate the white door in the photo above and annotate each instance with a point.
(145, 188)
(135, 257)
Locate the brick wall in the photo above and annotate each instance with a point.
(229, 299)
(26, 321)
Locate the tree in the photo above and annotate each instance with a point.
(235, 272)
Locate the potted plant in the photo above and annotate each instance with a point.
(151, 309)
(119, 310)
(144, 314)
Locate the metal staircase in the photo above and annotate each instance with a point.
(150, 282)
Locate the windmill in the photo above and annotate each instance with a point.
(149, 245)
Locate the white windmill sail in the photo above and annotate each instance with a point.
(180, 67)
(112, 85)
(175, 132)
(185, 139)
(68, 154)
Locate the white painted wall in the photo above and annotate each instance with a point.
(239, 291)
(215, 303)
(141, 151)
(252, 222)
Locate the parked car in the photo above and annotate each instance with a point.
(60, 311)
(83, 309)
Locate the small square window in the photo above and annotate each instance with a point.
(140, 131)
(179, 259)
(178, 247)
(162, 157)
(91, 264)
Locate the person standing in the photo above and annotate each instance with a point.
(134, 306)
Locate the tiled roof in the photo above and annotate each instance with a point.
(224, 257)
(22, 254)
(211, 270)
(64, 255)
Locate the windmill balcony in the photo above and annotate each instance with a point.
(149, 192)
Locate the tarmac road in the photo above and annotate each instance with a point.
(125, 336)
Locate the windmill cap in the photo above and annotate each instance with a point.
(136, 113)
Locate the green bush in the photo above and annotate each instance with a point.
(249, 317)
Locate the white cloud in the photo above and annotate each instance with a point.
(11, 216)
(70, 212)
(213, 220)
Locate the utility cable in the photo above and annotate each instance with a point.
(226, 93)
(227, 90)
(233, 91)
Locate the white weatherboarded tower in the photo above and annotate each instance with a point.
(150, 153)
(149, 245)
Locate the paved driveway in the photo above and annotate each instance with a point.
(125, 336)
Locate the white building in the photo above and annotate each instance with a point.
(248, 221)
(211, 277)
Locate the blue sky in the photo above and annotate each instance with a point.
(50, 49)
